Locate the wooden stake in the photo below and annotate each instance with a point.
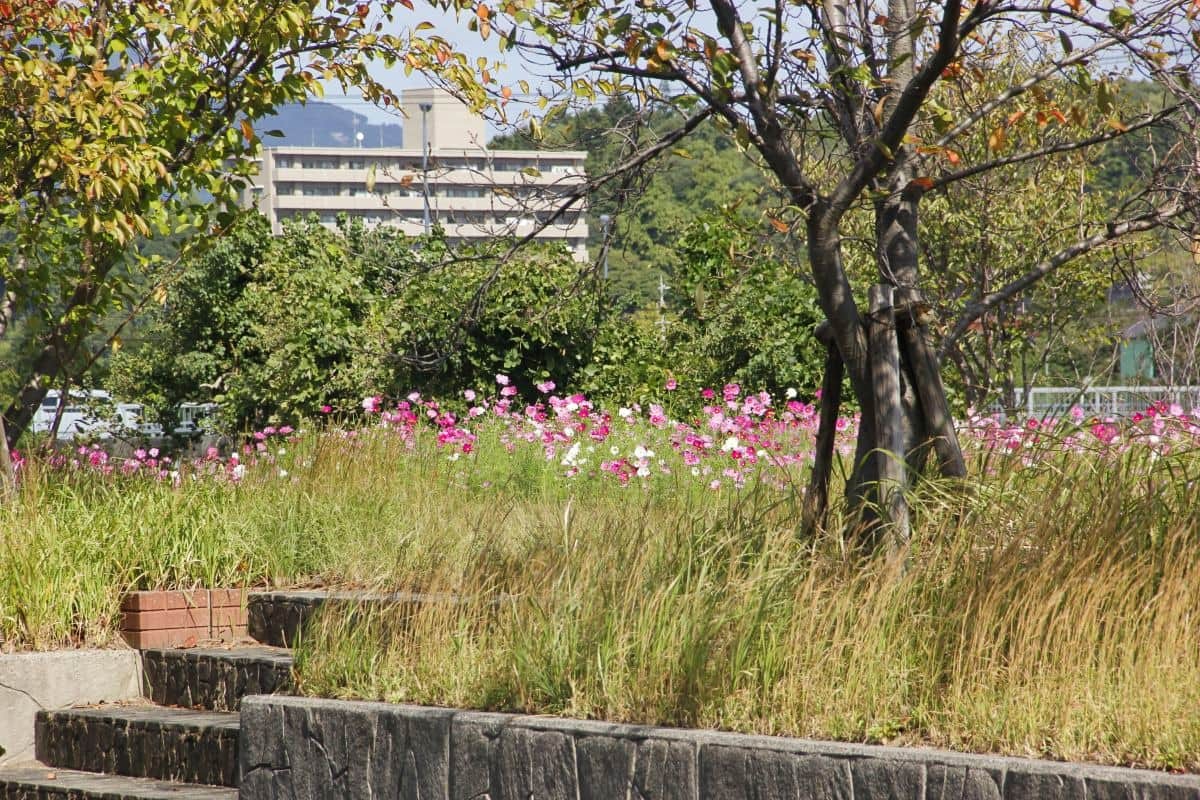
(816, 501)
(914, 341)
(884, 359)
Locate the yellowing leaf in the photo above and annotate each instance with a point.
(247, 130)
(997, 139)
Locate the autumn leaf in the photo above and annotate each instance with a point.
(247, 130)
(483, 12)
(924, 183)
(954, 158)
(997, 139)
(779, 224)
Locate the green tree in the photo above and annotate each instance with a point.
(375, 304)
(123, 118)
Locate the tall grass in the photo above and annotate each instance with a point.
(1049, 610)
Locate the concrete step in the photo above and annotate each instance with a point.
(214, 678)
(40, 782)
(167, 744)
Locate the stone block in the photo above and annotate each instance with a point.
(1029, 784)
(884, 779)
(605, 766)
(665, 770)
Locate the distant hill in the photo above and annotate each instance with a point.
(318, 124)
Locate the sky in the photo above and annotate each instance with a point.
(465, 41)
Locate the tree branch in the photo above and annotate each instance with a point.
(1112, 232)
(1061, 147)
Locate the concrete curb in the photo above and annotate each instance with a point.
(293, 747)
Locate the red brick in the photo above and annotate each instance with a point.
(144, 601)
(168, 637)
(162, 620)
(227, 598)
(192, 598)
(227, 623)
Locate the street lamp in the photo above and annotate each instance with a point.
(605, 221)
(425, 109)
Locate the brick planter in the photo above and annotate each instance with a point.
(183, 617)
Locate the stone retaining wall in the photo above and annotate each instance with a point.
(310, 748)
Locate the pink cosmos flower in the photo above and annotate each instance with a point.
(469, 395)
(325, 409)
(372, 404)
(502, 379)
(508, 391)
(545, 387)
(672, 384)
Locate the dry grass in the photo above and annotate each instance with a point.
(1050, 611)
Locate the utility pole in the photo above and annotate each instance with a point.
(425, 109)
(605, 221)
(662, 305)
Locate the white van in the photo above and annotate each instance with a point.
(92, 413)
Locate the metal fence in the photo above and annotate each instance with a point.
(1115, 401)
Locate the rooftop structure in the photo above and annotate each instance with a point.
(471, 191)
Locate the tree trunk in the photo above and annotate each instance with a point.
(890, 450)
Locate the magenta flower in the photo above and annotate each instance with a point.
(325, 409)
(372, 404)
(672, 384)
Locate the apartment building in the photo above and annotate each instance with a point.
(471, 191)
